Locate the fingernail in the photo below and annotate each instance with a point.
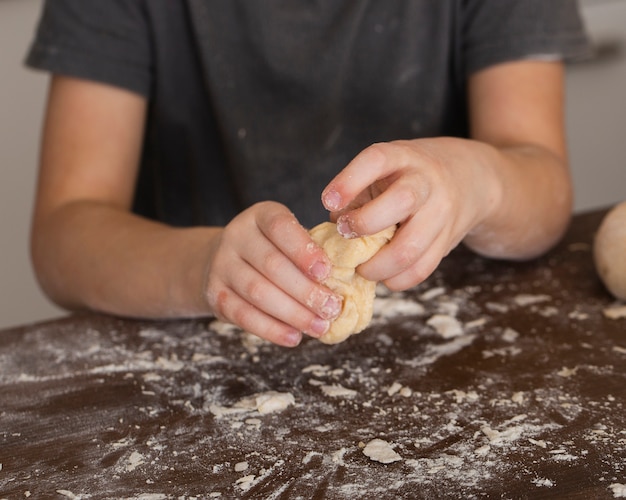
(319, 326)
(332, 200)
(332, 307)
(344, 229)
(294, 338)
(319, 270)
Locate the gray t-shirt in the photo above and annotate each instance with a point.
(257, 100)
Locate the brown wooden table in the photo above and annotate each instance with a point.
(516, 389)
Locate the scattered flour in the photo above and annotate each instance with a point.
(498, 438)
(317, 370)
(263, 403)
(524, 299)
(543, 482)
(432, 293)
(510, 335)
(497, 307)
(246, 482)
(435, 351)
(135, 460)
(68, 494)
(394, 307)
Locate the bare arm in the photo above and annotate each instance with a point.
(505, 191)
(84, 235)
(90, 251)
(518, 109)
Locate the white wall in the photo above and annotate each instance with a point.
(596, 123)
(596, 106)
(22, 94)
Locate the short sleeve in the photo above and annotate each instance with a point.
(496, 31)
(104, 41)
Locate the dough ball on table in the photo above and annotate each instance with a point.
(358, 294)
(609, 251)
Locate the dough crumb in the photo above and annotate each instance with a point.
(338, 391)
(264, 403)
(510, 335)
(446, 326)
(524, 299)
(432, 293)
(68, 494)
(245, 483)
(270, 402)
(619, 490)
(543, 482)
(135, 460)
(567, 372)
(394, 388)
(615, 312)
(381, 451)
(538, 442)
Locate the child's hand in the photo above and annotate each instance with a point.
(430, 187)
(264, 275)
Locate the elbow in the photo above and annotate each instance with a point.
(49, 274)
(530, 239)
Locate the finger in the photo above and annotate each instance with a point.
(282, 272)
(426, 264)
(264, 295)
(411, 241)
(282, 228)
(372, 164)
(232, 308)
(399, 202)
(422, 269)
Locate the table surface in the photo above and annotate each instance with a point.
(490, 380)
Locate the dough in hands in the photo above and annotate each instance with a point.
(357, 292)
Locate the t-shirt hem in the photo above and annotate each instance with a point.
(78, 64)
(568, 49)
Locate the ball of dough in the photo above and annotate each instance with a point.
(346, 254)
(610, 251)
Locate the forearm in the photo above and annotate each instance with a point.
(91, 255)
(532, 205)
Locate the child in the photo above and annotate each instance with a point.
(186, 144)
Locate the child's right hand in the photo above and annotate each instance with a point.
(264, 275)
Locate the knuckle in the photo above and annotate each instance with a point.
(407, 255)
(275, 219)
(239, 316)
(218, 300)
(379, 151)
(421, 271)
(407, 199)
(272, 263)
(276, 224)
(418, 274)
(255, 291)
